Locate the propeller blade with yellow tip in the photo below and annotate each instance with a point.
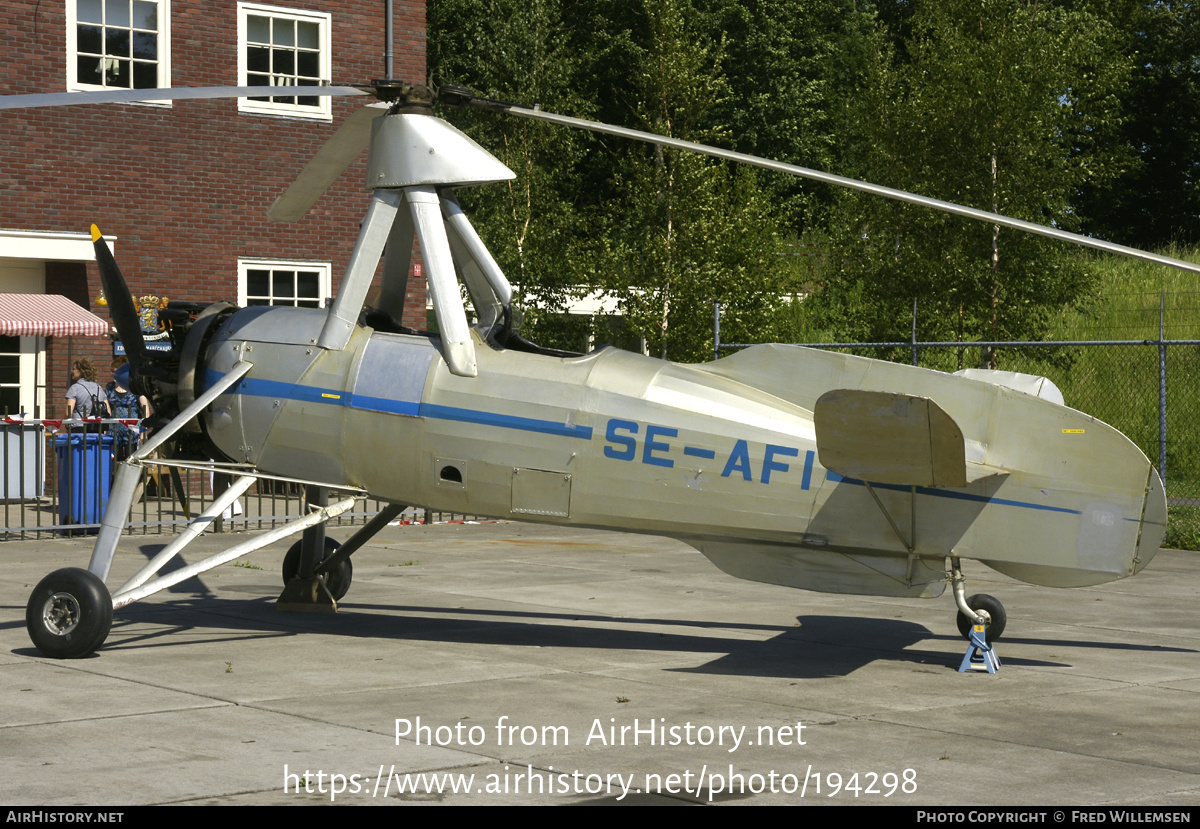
(120, 302)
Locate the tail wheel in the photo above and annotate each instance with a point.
(982, 601)
(69, 613)
(337, 581)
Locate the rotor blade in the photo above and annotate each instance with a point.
(186, 93)
(120, 302)
(323, 170)
(841, 181)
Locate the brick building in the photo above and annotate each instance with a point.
(180, 189)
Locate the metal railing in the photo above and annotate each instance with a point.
(57, 475)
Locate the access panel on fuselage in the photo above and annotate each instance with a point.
(384, 430)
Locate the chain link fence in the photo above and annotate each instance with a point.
(1149, 389)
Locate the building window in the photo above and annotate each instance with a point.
(22, 386)
(118, 44)
(10, 375)
(283, 47)
(298, 284)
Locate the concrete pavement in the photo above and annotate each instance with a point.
(574, 666)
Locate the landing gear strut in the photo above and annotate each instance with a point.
(981, 619)
(318, 585)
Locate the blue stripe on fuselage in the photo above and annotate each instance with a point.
(946, 493)
(337, 397)
(527, 424)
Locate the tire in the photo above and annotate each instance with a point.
(982, 601)
(69, 613)
(337, 581)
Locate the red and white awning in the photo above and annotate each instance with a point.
(47, 315)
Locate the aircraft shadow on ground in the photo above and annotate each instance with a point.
(817, 646)
(194, 585)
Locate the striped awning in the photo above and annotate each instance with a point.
(47, 315)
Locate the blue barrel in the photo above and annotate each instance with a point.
(84, 476)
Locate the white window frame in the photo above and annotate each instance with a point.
(323, 111)
(324, 276)
(164, 51)
(31, 393)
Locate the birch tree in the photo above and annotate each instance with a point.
(689, 231)
(997, 105)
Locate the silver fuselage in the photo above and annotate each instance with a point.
(721, 455)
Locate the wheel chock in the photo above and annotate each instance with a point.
(306, 596)
(980, 655)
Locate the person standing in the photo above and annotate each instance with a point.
(125, 405)
(85, 398)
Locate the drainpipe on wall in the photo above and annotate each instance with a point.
(388, 43)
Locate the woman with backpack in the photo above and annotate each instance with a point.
(85, 398)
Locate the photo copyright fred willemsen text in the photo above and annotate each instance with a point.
(705, 783)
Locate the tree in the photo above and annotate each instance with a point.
(788, 66)
(666, 232)
(997, 104)
(688, 231)
(1156, 199)
(519, 50)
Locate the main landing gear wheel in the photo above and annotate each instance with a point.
(69, 613)
(337, 581)
(982, 601)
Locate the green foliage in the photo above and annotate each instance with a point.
(665, 232)
(1183, 528)
(1003, 105)
(519, 50)
(996, 104)
(687, 231)
(706, 236)
(1155, 200)
(788, 65)
(1119, 384)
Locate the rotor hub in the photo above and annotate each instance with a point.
(404, 97)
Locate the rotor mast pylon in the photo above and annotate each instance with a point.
(414, 162)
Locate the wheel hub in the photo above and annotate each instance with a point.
(61, 613)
